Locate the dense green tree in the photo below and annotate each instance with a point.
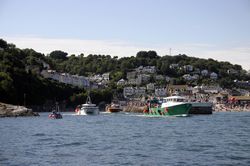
(3, 44)
(60, 55)
(6, 87)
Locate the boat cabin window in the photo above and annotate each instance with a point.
(180, 100)
(174, 100)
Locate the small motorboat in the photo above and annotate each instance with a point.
(112, 108)
(55, 114)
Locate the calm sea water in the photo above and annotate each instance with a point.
(126, 139)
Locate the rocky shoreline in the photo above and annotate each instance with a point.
(8, 110)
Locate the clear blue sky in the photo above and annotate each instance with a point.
(213, 28)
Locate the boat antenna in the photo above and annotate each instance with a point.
(24, 99)
(88, 98)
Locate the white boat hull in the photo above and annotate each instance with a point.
(88, 108)
(89, 111)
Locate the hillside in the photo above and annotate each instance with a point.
(118, 67)
(20, 79)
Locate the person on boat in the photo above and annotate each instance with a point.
(54, 112)
(161, 112)
(78, 108)
(146, 109)
(147, 106)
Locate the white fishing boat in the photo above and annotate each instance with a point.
(88, 108)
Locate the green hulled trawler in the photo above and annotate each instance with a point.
(169, 106)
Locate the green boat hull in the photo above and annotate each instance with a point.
(177, 110)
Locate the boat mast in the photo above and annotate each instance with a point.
(88, 101)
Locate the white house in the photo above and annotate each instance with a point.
(174, 66)
(51, 74)
(140, 91)
(96, 78)
(146, 69)
(150, 86)
(134, 92)
(144, 77)
(204, 72)
(195, 77)
(149, 69)
(160, 92)
(121, 82)
(128, 91)
(134, 81)
(187, 77)
(105, 76)
(66, 78)
(213, 76)
(188, 68)
(139, 69)
(167, 78)
(83, 81)
(211, 89)
(159, 77)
